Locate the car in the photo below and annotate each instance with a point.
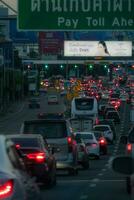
(15, 183)
(111, 123)
(124, 164)
(115, 102)
(113, 115)
(40, 163)
(59, 135)
(128, 140)
(42, 115)
(82, 152)
(34, 103)
(101, 109)
(107, 109)
(52, 99)
(102, 141)
(107, 131)
(91, 143)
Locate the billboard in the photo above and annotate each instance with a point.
(51, 43)
(98, 48)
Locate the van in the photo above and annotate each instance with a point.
(60, 137)
(84, 106)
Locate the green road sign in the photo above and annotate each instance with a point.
(76, 15)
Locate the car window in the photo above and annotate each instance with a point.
(86, 136)
(14, 157)
(131, 135)
(101, 128)
(26, 142)
(47, 129)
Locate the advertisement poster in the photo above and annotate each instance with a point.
(98, 48)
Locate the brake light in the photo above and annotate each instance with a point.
(129, 147)
(69, 140)
(17, 146)
(6, 189)
(102, 141)
(38, 157)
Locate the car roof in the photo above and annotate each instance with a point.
(101, 125)
(84, 132)
(24, 136)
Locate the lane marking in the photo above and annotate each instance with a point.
(92, 185)
(100, 174)
(84, 197)
(104, 170)
(95, 180)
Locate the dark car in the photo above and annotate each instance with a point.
(111, 123)
(34, 103)
(60, 136)
(37, 158)
(113, 115)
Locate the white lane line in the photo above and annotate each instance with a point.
(84, 197)
(104, 170)
(95, 180)
(100, 174)
(112, 180)
(74, 181)
(92, 185)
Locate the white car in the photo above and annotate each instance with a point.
(92, 145)
(107, 131)
(15, 183)
(52, 99)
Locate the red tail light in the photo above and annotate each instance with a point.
(38, 157)
(70, 143)
(17, 146)
(129, 148)
(69, 140)
(102, 141)
(6, 189)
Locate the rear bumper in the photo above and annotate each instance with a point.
(65, 164)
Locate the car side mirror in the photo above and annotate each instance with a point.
(123, 139)
(122, 164)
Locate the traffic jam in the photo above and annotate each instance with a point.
(70, 141)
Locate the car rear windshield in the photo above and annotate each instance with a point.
(47, 129)
(84, 104)
(98, 135)
(112, 114)
(86, 136)
(101, 128)
(26, 142)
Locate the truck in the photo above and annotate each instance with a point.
(83, 124)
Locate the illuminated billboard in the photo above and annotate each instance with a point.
(98, 48)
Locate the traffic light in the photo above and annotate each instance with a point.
(46, 66)
(90, 67)
(61, 66)
(105, 66)
(76, 66)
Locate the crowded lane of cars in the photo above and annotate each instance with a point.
(50, 145)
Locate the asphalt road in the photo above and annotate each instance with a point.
(97, 182)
